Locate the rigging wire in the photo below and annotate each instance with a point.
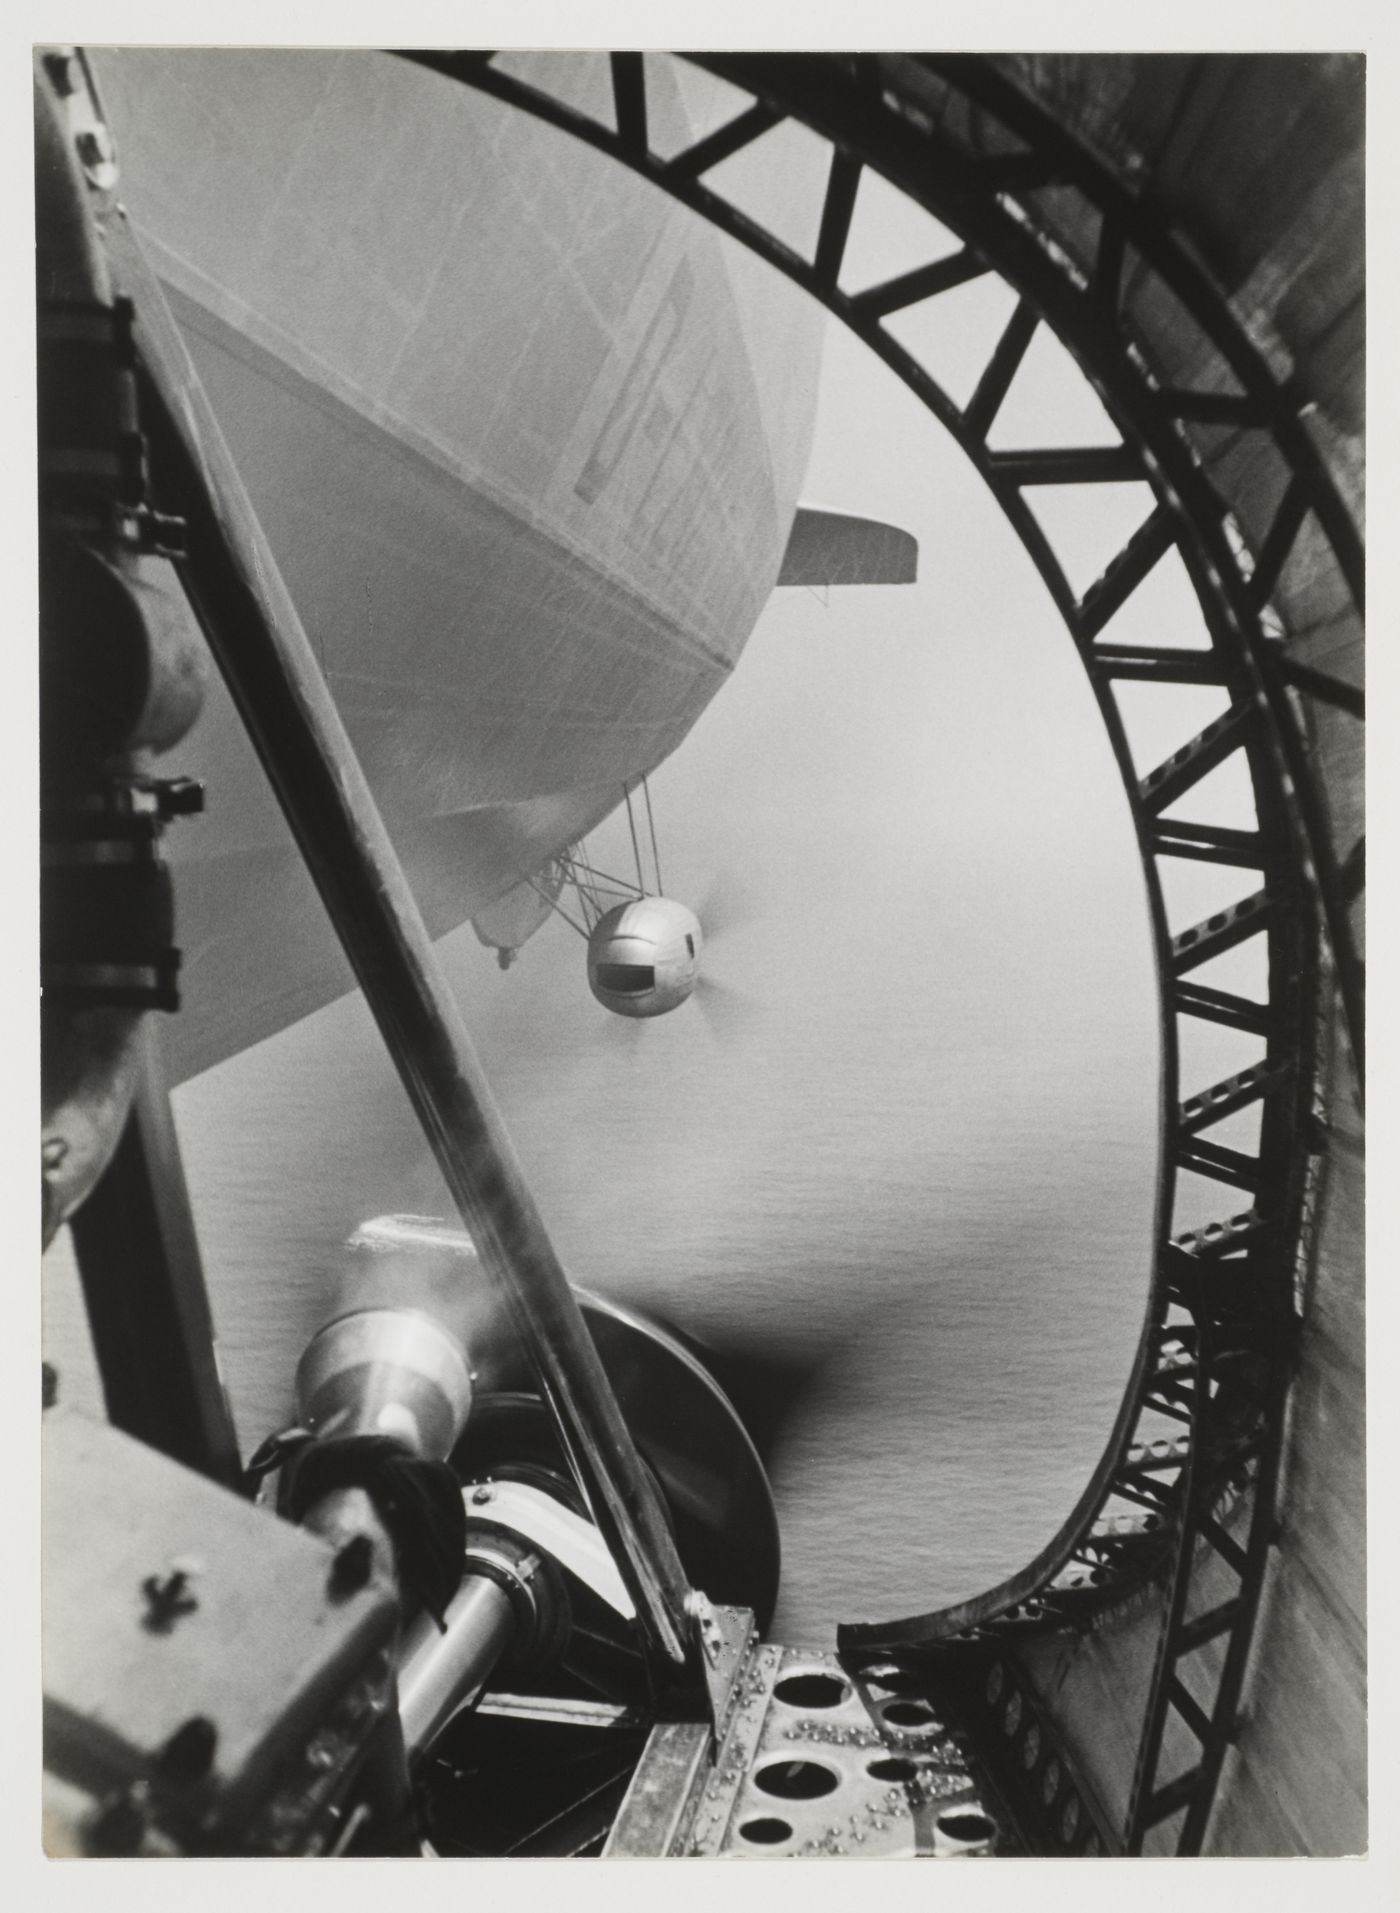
(655, 853)
(621, 886)
(589, 899)
(558, 908)
(636, 847)
(595, 888)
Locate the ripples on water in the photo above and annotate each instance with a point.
(918, 1163)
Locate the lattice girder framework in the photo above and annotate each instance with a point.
(1255, 490)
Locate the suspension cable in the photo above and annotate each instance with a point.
(655, 853)
(579, 870)
(622, 886)
(636, 847)
(558, 908)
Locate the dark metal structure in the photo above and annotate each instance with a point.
(1244, 420)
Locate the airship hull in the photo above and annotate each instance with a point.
(526, 445)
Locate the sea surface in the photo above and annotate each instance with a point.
(904, 1151)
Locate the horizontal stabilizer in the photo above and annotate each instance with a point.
(835, 548)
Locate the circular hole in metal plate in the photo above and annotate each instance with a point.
(996, 1680)
(797, 1779)
(892, 1767)
(1050, 1781)
(909, 1713)
(1030, 1747)
(1069, 1819)
(966, 1824)
(1011, 1719)
(765, 1832)
(811, 1690)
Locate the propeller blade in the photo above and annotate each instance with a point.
(729, 906)
(766, 1385)
(623, 1032)
(727, 1011)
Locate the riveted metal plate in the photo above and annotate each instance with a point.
(805, 1770)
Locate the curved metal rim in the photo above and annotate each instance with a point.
(959, 138)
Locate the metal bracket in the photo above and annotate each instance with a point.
(68, 69)
(566, 1537)
(803, 1769)
(727, 1642)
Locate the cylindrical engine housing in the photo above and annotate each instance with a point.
(386, 1372)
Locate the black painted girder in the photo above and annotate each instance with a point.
(1208, 1627)
(1273, 554)
(1323, 686)
(1207, 843)
(1164, 1402)
(630, 101)
(1175, 1338)
(1224, 1544)
(1243, 409)
(1145, 1490)
(1143, 1454)
(1196, 759)
(1212, 937)
(842, 183)
(1222, 1006)
(1232, 1294)
(1218, 1163)
(1073, 465)
(1190, 1710)
(1142, 1468)
(1005, 362)
(924, 282)
(1113, 1553)
(1158, 665)
(1351, 876)
(1017, 172)
(1145, 1474)
(1233, 1093)
(1107, 283)
(1220, 1239)
(724, 142)
(1171, 1380)
(1173, 1797)
(1110, 592)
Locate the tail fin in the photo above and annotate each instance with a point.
(836, 548)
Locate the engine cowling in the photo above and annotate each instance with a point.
(644, 957)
